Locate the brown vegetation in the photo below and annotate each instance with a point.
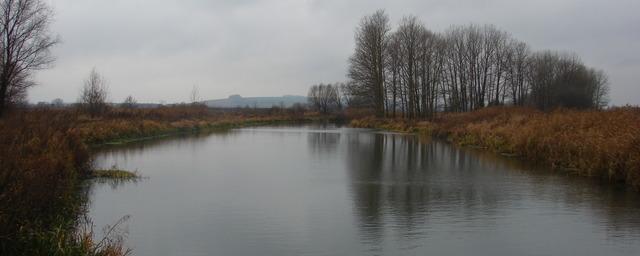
(122, 125)
(45, 154)
(42, 158)
(591, 143)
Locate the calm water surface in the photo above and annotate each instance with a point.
(322, 190)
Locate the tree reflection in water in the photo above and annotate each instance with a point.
(402, 184)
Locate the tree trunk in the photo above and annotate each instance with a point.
(4, 87)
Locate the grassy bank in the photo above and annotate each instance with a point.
(603, 144)
(123, 126)
(44, 160)
(45, 156)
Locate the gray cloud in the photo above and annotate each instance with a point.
(158, 49)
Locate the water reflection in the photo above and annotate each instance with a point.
(323, 142)
(119, 154)
(115, 183)
(400, 184)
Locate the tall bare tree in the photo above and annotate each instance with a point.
(366, 68)
(410, 33)
(392, 65)
(93, 95)
(517, 66)
(600, 88)
(420, 66)
(25, 45)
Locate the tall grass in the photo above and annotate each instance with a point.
(591, 143)
(42, 156)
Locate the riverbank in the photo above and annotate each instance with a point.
(125, 126)
(46, 156)
(602, 144)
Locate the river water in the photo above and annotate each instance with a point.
(327, 190)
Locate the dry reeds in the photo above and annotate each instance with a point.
(590, 143)
(132, 124)
(42, 158)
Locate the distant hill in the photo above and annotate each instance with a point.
(237, 101)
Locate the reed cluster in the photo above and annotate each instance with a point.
(602, 144)
(43, 160)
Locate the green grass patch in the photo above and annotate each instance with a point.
(114, 173)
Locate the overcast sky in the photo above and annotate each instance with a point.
(157, 50)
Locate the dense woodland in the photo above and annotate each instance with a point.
(414, 72)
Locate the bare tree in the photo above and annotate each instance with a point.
(366, 68)
(410, 34)
(600, 88)
(93, 95)
(194, 97)
(392, 65)
(562, 80)
(24, 46)
(414, 67)
(517, 66)
(57, 103)
(129, 102)
(324, 98)
(345, 94)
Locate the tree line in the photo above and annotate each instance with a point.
(414, 72)
(326, 98)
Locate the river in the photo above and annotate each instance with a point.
(328, 190)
